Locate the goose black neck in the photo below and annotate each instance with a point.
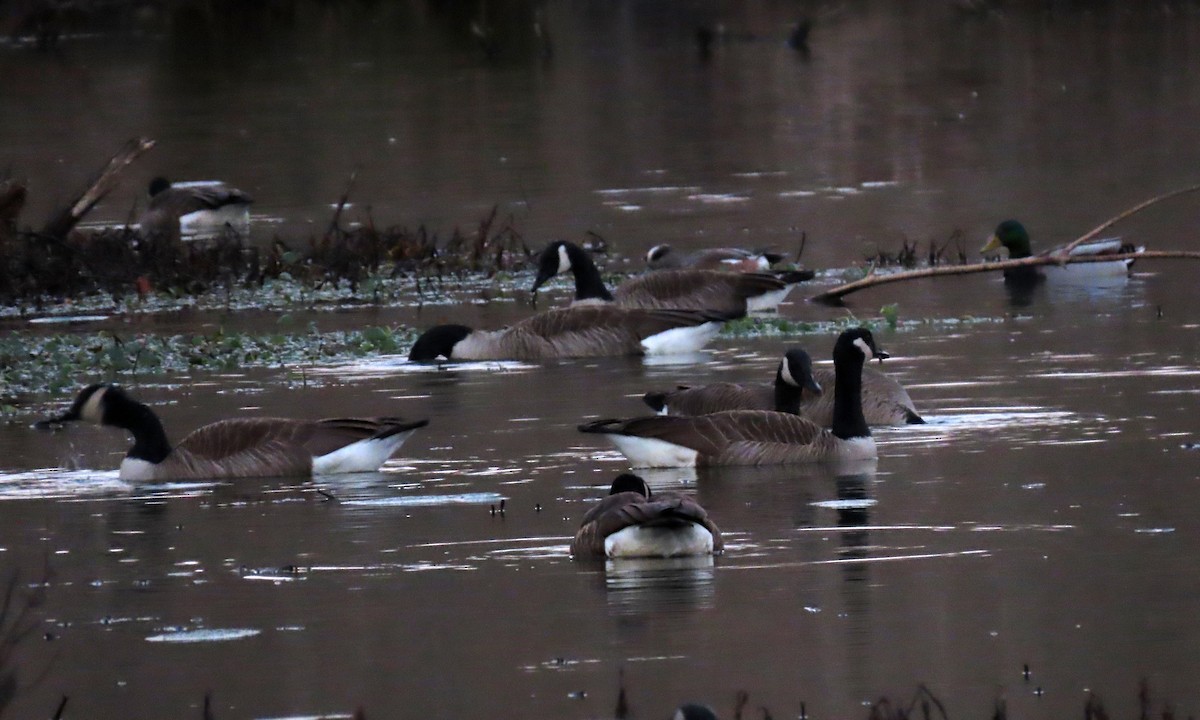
(149, 439)
(588, 283)
(848, 420)
(787, 396)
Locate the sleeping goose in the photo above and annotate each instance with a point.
(577, 331)
(664, 257)
(242, 447)
(632, 523)
(1012, 236)
(884, 401)
(725, 292)
(756, 437)
(194, 208)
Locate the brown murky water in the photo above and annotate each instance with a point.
(1043, 517)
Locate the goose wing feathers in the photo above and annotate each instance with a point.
(268, 436)
(884, 401)
(714, 434)
(717, 397)
(581, 330)
(184, 200)
(696, 290)
(617, 512)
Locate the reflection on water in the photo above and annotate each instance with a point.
(653, 586)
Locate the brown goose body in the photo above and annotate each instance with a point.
(884, 401)
(268, 447)
(170, 207)
(664, 257)
(725, 292)
(653, 525)
(759, 437)
(577, 331)
(240, 447)
(732, 437)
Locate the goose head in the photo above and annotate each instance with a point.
(158, 185)
(796, 370)
(94, 404)
(559, 257)
(856, 345)
(628, 482)
(438, 342)
(1012, 236)
(659, 256)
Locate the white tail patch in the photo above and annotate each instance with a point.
(205, 222)
(564, 261)
(657, 541)
(362, 456)
(651, 453)
(681, 339)
(767, 301)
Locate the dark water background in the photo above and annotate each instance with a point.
(1044, 517)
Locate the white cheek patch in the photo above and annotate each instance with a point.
(656, 252)
(786, 373)
(564, 262)
(92, 410)
(866, 349)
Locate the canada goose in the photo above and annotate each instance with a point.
(664, 257)
(736, 293)
(756, 437)
(194, 208)
(884, 401)
(578, 331)
(243, 447)
(631, 522)
(1012, 236)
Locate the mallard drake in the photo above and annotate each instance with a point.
(240, 447)
(577, 331)
(756, 437)
(194, 208)
(1012, 236)
(664, 257)
(736, 293)
(797, 389)
(631, 522)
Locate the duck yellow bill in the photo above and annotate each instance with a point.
(993, 243)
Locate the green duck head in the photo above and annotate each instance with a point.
(1009, 234)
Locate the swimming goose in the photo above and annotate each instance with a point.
(243, 447)
(194, 208)
(631, 522)
(737, 293)
(884, 401)
(694, 711)
(1012, 236)
(664, 257)
(577, 331)
(756, 437)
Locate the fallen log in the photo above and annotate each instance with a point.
(834, 295)
(66, 219)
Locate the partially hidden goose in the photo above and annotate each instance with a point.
(756, 437)
(1012, 236)
(242, 447)
(726, 292)
(797, 389)
(631, 522)
(577, 331)
(665, 257)
(194, 208)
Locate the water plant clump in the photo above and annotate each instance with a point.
(125, 264)
(36, 364)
